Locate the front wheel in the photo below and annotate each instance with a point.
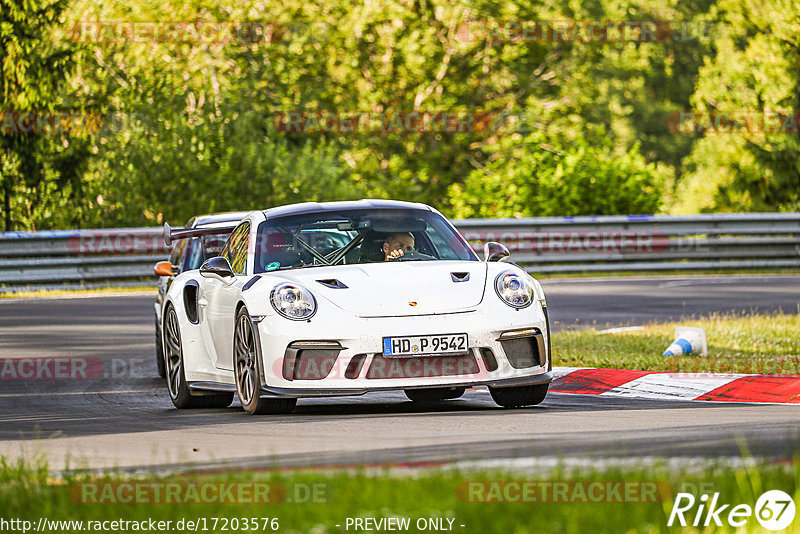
(434, 394)
(247, 368)
(520, 395)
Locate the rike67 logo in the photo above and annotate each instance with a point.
(774, 510)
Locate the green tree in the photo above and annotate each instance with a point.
(35, 66)
(173, 167)
(191, 130)
(552, 176)
(755, 72)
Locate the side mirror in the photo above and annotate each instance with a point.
(217, 267)
(495, 252)
(165, 268)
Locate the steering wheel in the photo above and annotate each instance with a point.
(410, 256)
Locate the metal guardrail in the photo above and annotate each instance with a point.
(541, 244)
(644, 242)
(79, 258)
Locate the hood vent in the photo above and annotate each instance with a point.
(459, 277)
(332, 283)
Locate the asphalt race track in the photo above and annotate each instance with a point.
(618, 301)
(125, 419)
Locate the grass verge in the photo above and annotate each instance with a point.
(319, 501)
(48, 293)
(737, 343)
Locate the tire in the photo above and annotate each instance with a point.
(178, 389)
(247, 370)
(434, 394)
(160, 358)
(519, 396)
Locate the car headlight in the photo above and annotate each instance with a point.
(514, 289)
(293, 302)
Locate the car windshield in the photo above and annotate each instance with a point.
(357, 236)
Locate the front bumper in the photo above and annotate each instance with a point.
(533, 380)
(352, 362)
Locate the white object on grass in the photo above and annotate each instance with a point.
(688, 340)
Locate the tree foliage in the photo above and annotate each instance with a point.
(554, 177)
(40, 175)
(563, 126)
(755, 71)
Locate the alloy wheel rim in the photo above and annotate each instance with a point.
(174, 359)
(244, 348)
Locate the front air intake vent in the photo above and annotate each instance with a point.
(524, 351)
(355, 365)
(314, 364)
(488, 359)
(310, 360)
(332, 283)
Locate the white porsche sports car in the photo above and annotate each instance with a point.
(344, 298)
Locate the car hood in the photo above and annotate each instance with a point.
(398, 288)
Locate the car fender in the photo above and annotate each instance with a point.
(195, 337)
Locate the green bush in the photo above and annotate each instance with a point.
(549, 177)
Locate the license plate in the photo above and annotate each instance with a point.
(425, 345)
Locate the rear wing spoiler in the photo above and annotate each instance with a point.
(173, 234)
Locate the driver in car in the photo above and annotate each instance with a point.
(397, 244)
